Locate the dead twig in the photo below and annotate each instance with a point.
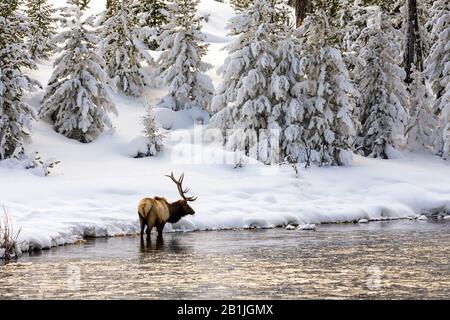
(8, 238)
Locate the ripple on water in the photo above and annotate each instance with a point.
(384, 260)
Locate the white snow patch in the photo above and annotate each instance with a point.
(308, 226)
(184, 119)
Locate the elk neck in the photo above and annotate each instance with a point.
(176, 211)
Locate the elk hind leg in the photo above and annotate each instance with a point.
(150, 224)
(142, 223)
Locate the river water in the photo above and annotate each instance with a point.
(395, 259)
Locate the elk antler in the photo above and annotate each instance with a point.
(179, 184)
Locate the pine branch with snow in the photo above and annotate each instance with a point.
(422, 120)
(9, 8)
(180, 65)
(42, 28)
(79, 94)
(241, 5)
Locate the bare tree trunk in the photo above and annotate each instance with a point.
(302, 7)
(413, 45)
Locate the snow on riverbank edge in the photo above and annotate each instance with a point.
(82, 232)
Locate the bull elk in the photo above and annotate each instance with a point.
(156, 212)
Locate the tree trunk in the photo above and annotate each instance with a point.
(413, 45)
(302, 7)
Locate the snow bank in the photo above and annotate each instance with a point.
(183, 119)
(95, 189)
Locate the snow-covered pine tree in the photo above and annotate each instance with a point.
(151, 15)
(151, 133)
(384, 97)
(42, 28)
(180, 65)
(438, 73)
(16, 116)
(328, 123)
(123, 51)
(422, 120)
(290, 100)
(243, 103)
(79, 93)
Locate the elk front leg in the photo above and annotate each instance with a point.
(160, 228)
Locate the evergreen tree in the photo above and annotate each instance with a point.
(16, 116)
(152, 133)
(328, 121)
(180, 65)
(438, 73)
(383, 101)
(151, 15)
(79, 94)
(123, 51)
(290, 99)
(40, 42)
(254, 96)
(422, 120)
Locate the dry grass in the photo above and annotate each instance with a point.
(8, 238)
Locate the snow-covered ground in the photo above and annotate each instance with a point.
(95, 189)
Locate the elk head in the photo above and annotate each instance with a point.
(181, 207)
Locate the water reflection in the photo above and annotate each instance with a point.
(150, 245)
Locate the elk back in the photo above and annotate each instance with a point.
(155, 208)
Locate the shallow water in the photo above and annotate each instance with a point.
(396, 259)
